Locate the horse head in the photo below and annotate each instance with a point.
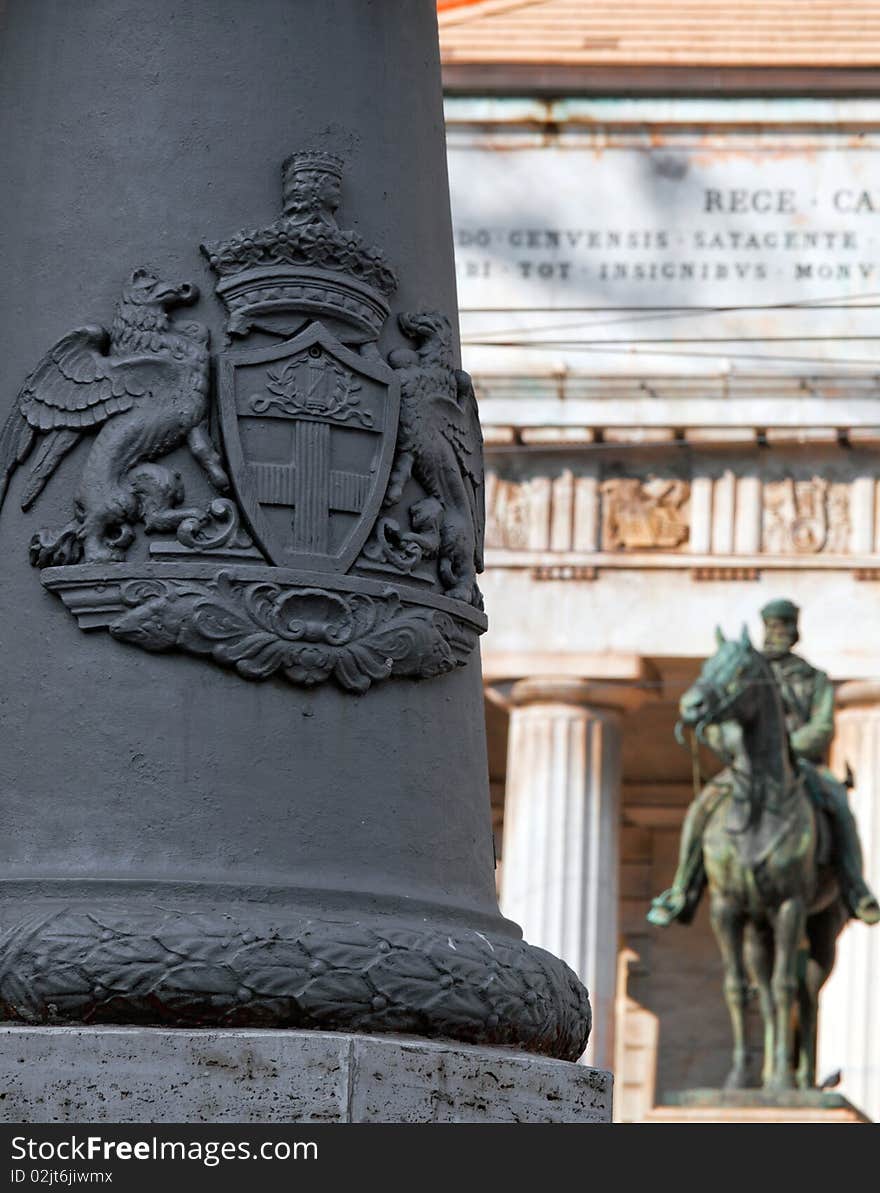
(726, 686)
(757, 843)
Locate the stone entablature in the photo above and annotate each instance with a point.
(817, 507)
(558, 404)
(726, 242)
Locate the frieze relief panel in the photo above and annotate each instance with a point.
(343, 531)
(740, 509)
(645, 514)
(571, 512)
(806, 517)
(518, 513)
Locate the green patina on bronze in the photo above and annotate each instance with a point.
(773, 837)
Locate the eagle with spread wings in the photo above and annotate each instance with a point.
(440, 444)
(143, 389)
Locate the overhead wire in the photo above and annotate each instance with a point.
(613, 348)
(604, 308)
(627, 446)
(643, 314)
(799, 339)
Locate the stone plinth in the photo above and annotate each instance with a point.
(152, 1075)
(755, 1106)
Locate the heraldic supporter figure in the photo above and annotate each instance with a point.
(808, 699)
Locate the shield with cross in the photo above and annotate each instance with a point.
(310, 429)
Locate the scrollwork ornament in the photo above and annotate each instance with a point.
(217, 526)
(304, 635)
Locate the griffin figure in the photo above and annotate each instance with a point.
(440, 444)
(144, 387)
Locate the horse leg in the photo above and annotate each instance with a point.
(788, 932)
(808, 996)
(822, 932)
(728, 924)
(759, 958)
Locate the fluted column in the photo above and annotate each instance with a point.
(849, 1018)
(561, 816)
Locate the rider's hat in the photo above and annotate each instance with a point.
(783, 609)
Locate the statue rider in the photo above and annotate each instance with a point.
(808, 702)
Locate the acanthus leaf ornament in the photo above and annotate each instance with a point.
(305, 635)
(358, 508)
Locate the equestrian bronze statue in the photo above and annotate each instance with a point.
(774, 837)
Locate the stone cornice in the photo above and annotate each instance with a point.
(500, 79)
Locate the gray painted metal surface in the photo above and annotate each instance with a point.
(184, 846)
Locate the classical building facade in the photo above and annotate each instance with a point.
(669, 277)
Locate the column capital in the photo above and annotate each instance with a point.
(864, 693)
(580, 691)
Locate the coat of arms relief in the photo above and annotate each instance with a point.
(343, 528)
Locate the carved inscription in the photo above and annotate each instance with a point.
(719, 224)
(709, 220)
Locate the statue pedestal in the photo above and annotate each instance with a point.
(163, 1075)
(755, 1106)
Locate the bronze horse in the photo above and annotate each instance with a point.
(776, 907)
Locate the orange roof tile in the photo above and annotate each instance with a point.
(670, 33)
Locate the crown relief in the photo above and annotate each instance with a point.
(306, 234)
